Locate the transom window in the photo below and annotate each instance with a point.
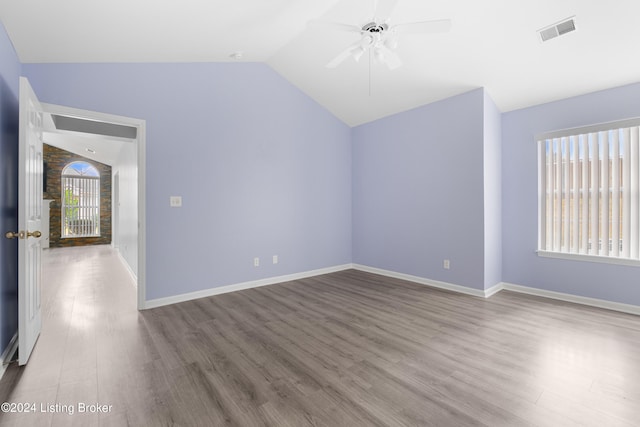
(80, 200)
(589, 188)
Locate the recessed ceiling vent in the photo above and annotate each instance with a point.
(566, 26)
(91, 126)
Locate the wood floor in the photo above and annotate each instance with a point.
(343, 349)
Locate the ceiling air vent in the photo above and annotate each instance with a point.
(566, 26)
(92, 126)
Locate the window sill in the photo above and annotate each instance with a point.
(590, 258)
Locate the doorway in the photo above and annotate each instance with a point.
(123, 138)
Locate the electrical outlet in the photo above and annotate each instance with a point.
(275, 259)
(175, 201)
(446, 264)
(256, 262)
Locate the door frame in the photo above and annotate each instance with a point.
(140, 142)
(115, 210)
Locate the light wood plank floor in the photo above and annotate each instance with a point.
(343, 349)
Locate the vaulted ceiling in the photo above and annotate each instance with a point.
(492, 44)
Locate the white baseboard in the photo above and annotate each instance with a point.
(159, 302)
(486, 293)
(493, 290)
(593, 302)
(128, 267)
(7, 353)
(428, 282)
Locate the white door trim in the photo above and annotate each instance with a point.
(115, 210)
(140, 141)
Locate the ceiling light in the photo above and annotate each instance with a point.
(391, 42)
(379, 54)
(91, 150)
(238, 55)
(358, 52)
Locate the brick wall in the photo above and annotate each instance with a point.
(56, 159)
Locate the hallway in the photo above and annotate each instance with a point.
(85, 290)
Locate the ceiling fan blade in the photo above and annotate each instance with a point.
(424, 27)
(382, 9)
(335, 26)
(389, 57)
(343, 55)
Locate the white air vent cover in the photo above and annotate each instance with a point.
(566, 26)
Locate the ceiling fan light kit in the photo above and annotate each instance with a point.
(379, 38)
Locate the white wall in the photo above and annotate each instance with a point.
(127, 228)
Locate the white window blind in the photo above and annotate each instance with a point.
(589, 184)
(80, 201)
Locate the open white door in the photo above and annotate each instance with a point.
(29, 221)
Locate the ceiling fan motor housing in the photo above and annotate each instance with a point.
(372, 27)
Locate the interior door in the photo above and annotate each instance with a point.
(29, 221)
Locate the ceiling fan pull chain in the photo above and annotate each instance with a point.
(370, 60)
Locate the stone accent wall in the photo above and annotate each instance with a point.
(55, 160)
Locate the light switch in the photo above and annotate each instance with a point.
(175, 201)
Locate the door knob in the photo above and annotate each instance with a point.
(22, 234)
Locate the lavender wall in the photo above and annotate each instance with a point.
(521, 265)
(492, 128)
(262, 168)
(9, 83)
(418, 191)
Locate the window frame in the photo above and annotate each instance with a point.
(63, 205)
(541, 141)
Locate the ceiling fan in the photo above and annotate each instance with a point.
(380, 39)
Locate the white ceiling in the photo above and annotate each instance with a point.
(103, 149)
(492, 44)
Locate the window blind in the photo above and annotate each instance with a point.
(589, 183)
(80, 206)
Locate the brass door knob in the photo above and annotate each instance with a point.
(22, 234)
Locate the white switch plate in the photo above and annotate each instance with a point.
(446, 264)
(275, 259)
(256, 262)
(175, 201)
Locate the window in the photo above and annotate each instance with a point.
(589, 182)
(80, 200)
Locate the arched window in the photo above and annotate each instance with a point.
(80, 200)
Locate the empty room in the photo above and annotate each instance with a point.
(335, 213)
